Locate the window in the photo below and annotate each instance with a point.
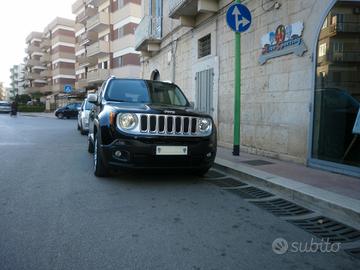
(204, 46)
(322, 50)
(325, 23)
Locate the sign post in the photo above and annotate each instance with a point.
(238, 18)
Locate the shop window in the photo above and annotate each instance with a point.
(336, 138)
(204, 46)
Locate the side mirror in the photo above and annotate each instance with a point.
(192, 104)
(92, 98)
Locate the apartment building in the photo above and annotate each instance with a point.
(292, 52)
(50, 63)
(17, 77)
(34, 81)
(105, 40)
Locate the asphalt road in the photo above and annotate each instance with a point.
(54, 214)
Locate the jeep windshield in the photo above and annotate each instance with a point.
(151, 92)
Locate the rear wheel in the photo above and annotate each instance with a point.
(202, 171)
(100, 169)
(60, 116)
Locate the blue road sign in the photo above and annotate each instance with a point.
(238, 17)
(67, 88)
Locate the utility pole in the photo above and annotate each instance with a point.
(237, 105)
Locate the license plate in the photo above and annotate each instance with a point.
(171, 150)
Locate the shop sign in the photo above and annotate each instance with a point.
(286, 39)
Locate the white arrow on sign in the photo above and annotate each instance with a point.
(243, 21)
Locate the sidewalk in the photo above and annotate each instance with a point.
(319, 190)
(44, 114)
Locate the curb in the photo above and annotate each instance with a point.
(339, 207)
(38, 115)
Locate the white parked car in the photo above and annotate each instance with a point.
(5, 107)
(83, 117)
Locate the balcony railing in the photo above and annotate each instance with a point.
(99, 75)
(45, 58)
(149, 31)
(99, 22)
(99, 48)
(46, 73)
(85, 61)
(32, 49)
(45, 44)
(86, 14)
(87, 38)
(33, 62)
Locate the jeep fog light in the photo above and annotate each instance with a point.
(204, 125)
(127, 121)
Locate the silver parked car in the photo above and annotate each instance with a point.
(5, 107)
(83, 117)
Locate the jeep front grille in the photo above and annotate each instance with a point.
(168, 124)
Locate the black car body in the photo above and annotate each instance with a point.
(163, 135)
(69, 111)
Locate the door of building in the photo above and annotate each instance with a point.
(205, 91)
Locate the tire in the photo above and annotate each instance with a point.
(78, 127)
(201, 172)
(82, 131)
(60, 116)
(100, 169)
(90, 147)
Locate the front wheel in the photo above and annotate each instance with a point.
(90, 146)
(60, 116)
(100, 169)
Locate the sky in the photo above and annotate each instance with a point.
(17, 20)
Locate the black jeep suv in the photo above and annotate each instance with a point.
(148, 124)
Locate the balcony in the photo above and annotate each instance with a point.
(46, 74)
(81, 84)
(122, 43)
(32, 48)
(63, 71)
(99, 22)
(98, 76)
(95, 3)
(45, 89)
(33, 62)
(148, 34)
(32, 90)
(39, 67)
(87, 38)
(45, 44)
(85, 15)
(190, 8)
(45, 59)
(85, 61)
(32, 76)
(129, 10)
(128, 71)
(99, 49)
(77, 6)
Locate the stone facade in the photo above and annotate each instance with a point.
(276, 97)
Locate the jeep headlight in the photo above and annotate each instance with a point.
(127, 121)
(204, 125)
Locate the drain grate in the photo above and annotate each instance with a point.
(281, 207)
(354, 252)
(213, 174)
(251, 193)
(326, 228)
(257, 162)
(226, 182)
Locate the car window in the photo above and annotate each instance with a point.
(134, 91)
(166, 94)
